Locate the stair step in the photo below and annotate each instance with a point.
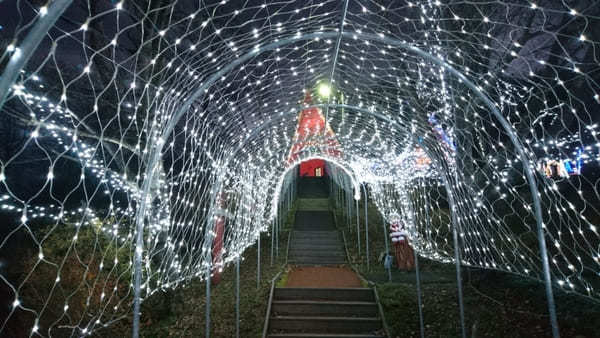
(316, 240)
(317, 260)
(313, 204)
(323, 335)
(317, 232)
(317, 227)
(325, 294)
(313, 187)
(334, 252)
(321, 249)
(317, 246)
(327, 235)
(313, 217)
(312, 324)
(324, 308)
(312, 263)
(316, 256)
(331, 252)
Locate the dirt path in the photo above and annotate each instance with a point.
(322, 277)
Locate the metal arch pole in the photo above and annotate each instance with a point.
(207, 311)
(25, 50)
(338, 196)
(277, 227)
(348, 210)
(335, 55)
(272, 240)
(457, 259)
(387, 250)
(358, 226)
(237, 297)
(139, 245)
(350, 207)
(394, 42)
(258, 264)
(341, 201)
(366, 226)
(419, 297)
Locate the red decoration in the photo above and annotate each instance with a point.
(312, 131)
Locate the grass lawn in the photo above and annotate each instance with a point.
(181, 312)
(497, 304)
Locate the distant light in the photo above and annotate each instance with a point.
(324, 90)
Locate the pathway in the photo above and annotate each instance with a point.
(322, 297)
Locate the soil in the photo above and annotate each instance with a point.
(322, 277)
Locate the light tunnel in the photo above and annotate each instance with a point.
(169, 132)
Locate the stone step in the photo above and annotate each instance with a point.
(325, 294)
(323, 335)
(316, 324)
(296, 237)
(313, 187)
(316, 258)
(324, 308)
(315, 262)
(316, 234)
(319, 241)
(321, 251)
(321, 204)
(317, 253)
(316, 242)
(315, 227)
(317, 246)
(313, 218)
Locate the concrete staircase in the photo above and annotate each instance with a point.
(320, 312)
(316, 248)
(324, 312)
(315, 241)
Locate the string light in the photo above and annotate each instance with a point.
(397, 122)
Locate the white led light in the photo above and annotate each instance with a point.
(193, 126)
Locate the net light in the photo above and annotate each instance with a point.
(403, 122)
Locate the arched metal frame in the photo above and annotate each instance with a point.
(25, 50)
(330, 159)
(57, 8)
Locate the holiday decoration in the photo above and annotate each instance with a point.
(146, 144)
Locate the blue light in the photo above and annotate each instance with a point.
(579, 160)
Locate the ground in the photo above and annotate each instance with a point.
(497, 304)
(183, 309)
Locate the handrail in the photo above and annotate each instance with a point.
(273, 281)
(266, 326)
(287, 250)
(386, 329)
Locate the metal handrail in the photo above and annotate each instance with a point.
(273, 281)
